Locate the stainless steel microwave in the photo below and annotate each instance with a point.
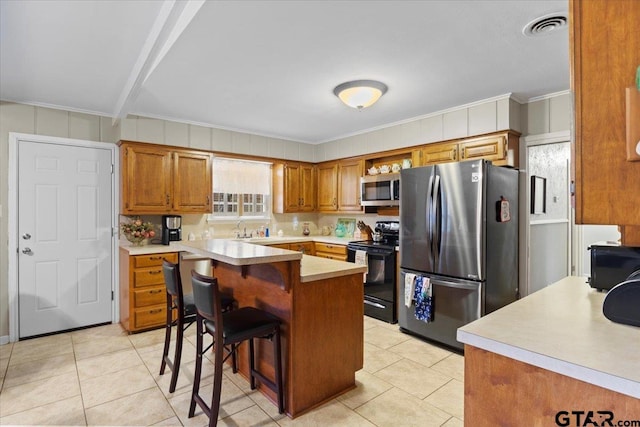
(380, 190)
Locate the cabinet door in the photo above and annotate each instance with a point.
(489, 148)
(605, 52)
(439, 153)
(292, 187)
(349, 173)
(307, 188)
(192, 183)
(146, 180)
(328, 187)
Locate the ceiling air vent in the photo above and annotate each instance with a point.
(545, 24)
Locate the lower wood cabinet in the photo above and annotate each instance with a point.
(306, 248)
(142, 290)
(331, 251)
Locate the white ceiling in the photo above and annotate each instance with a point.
(269, 67)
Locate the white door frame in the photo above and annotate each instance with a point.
(14, 138)
(525, 217)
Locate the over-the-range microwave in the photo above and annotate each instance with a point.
(380, 190)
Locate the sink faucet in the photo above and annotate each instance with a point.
(244, 233)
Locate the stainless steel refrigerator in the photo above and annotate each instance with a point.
(459, 228)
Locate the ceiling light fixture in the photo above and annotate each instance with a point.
(360, 93)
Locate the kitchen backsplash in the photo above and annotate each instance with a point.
(290, 224)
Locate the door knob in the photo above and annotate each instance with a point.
(26, 236)
(27, 251)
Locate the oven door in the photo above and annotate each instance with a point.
(380, 283)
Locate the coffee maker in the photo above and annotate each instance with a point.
(171, 228)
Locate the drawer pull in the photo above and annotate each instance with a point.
(155, 272)
(158, 310)
(155, 257)
(155, 291)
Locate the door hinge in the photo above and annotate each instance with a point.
(111, 295)
(113, 231)
(112, 169)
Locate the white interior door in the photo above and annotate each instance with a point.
(64, 237)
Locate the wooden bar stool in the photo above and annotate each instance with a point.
(230, 328)
(181, 313)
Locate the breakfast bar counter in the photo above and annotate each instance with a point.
(320, 304)
(549, 352)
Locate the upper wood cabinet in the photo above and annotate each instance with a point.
(439, 153)
(339, 186)
(159, 180)
(294, 187)
(500, 148)
(605, 52)
(327, 200)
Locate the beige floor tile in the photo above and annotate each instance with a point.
(105, 388)
(153, 357)
(232, 401)
(252, 416)
(268, 406)
(4, 363)
(39, 369)
(333, 413)
(40, 348)
(368, 386)
(376, 358)
(185, 377)
(449, 398)
(141, 341)
(398, 409)
(173, 421)
(5, 351)
(384, 337)
(452, 366)
(413, 378)
(67, 412)
(37, 393)
(453, 422)
(419, 351)
(105, 364)
(90, 334)
(127, 410)
(101, 345)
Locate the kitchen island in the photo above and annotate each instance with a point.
(320, 304)
(550, 352)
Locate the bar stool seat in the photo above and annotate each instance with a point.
(181, 313)
(231, 328)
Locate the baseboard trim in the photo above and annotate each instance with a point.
(4, 339)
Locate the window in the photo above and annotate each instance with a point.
(241, 188)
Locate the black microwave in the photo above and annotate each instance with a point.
(380, 190)
(612, 264)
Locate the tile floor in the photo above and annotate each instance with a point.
(102, 376)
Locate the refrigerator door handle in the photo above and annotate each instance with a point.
(436, 220)
(428, 211)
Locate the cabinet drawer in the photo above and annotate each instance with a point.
(147, 297)
(331, 256)
(149, 317)
(280, 246)
(331, 248)
(305, 247)
(151, 260)
(148, 277)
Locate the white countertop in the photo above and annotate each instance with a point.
(315, 268)
(561, 328)
(237, 252)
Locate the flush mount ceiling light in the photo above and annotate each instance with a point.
(360, 93)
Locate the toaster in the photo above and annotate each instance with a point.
(612, 264)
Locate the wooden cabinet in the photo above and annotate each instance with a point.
(500, 148)
(306, 248)
(142, 290)
(605, 52)
(327, 199)
(294, 187)
(160, 180)
(339, 186)
(331, 251)
(439, 153)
